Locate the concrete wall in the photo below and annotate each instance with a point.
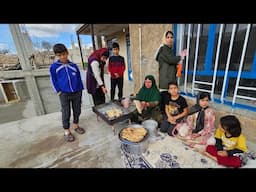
(49, 98)
(22, 90)
(246, 118)
(151, 39)
(1, 96)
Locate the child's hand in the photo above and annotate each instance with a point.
(222, 153)
(195, 135)
(172, 120)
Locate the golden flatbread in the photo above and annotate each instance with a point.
(138, 106)
(114, 113)
(133, 134)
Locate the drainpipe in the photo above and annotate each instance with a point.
(179, 35)
(140, 52)
(80, 49)
(93, 39)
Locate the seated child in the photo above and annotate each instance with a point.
(230, 146)
(198, 128)
(176, 108)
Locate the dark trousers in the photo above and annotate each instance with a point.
(75, 99)
(119, 82)
(163, 95)
(167, 127)
(98, 97)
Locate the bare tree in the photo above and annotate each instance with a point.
(47, 46)
(4, 51)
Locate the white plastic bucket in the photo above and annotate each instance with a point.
(151, 125)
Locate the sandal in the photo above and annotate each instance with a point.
(69, 137)
(80, 130)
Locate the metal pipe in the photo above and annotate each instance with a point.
(140, 51)
(180, 33)
(247, 88)
(93, 39)
(228, 62)
(241, 63)
(203, 82)
(80, 49)
(203, 90)
(196, 55)
(216, 61)
(187, 59)
(245, 97)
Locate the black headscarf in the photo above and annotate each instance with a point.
(201, 115)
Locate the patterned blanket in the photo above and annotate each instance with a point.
(133, 160)
(173, 153)
(170, 152)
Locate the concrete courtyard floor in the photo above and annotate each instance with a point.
(30, 141)
(38, 142)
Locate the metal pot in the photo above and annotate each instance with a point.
(135, 147)
(151, 125)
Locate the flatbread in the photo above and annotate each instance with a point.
(138, 106)
(114, 113)
(133, 134)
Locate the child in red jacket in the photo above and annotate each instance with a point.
(116, 68)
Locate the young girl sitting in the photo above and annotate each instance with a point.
(230, 146)
(198, 128)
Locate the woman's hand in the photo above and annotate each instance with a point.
(183, 53)
(104, 89)
(143, 104)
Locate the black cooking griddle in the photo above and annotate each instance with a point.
(103, 108)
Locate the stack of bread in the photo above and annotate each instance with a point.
(114, 113)
(133, 134)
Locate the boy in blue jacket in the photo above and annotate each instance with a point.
(68, 85)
